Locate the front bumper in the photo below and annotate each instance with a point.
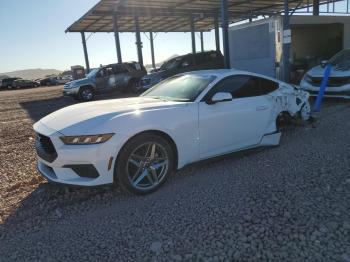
(70, 91)
(80, 165)
(336, 92)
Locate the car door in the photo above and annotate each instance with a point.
(110, 77)
(232, 125)
(121, 76)
(101, 79)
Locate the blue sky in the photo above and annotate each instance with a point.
(32, 36)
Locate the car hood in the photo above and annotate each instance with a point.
(80, 81)
(318, 71)
(85, 117)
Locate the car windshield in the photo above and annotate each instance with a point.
(92, 73)
(171, 64)
(341, 60)
(180, 88)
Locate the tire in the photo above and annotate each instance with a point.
(144, 164)
(86, 94)
(134, 87)
(305, 112)
(283, 120)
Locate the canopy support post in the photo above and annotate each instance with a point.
(117, 40)
(138, 40)
(217, 33)
(152, 49)
(202, 41)
(316, 7)
(286, 42)
(86, 56)
(193, 36)
(224, 17)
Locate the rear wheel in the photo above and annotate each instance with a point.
(86, 93)
(134, 86)
(144, 164)
(283, 120)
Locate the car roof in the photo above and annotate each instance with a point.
(191, 54)
(227, 72)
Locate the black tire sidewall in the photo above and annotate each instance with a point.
(81, 98)
(133, 87)
(120, 176)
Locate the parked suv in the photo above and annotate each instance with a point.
(182, 64)
(339, 80)
(8, 82)
(124, 77)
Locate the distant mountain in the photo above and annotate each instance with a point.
(32, 73)
(3, 76)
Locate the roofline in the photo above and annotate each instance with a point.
(178, 13)
(81, 18)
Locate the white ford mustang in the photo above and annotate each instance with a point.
(138, 142)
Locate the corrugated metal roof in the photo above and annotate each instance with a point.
(172, 15)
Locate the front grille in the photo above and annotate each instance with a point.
(316, 93)
(45, 148)
(332, 81)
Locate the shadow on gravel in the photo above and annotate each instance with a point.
(48, 201)
(38, 109)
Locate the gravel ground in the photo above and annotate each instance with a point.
(287, 203)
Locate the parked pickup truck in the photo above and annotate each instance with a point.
(123, 77)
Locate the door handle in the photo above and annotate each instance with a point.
(261, 108)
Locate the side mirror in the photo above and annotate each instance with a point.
(324, 63)
(221, 97)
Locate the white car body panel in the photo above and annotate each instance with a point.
(235, 124)
(198, 130)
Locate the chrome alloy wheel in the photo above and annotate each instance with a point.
(147, 166)
(87, 94)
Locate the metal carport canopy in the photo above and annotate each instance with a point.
(173, 15)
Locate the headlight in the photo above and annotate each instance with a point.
(69, 85)
(307, 78)
(86, 140)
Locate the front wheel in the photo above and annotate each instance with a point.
(144, 164)
(86, 94)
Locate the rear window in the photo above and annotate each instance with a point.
(206, 57)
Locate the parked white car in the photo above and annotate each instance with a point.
(339, 80)
(138, 142)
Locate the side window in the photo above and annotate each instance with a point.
(201, 58)
(229, 84)
(239, 86)
(250, 87)
(101, 73)
(186, 62)
(268, 86)
(120, 69)
(109, 71)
